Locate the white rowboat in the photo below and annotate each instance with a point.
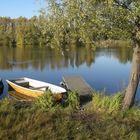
(34, 88)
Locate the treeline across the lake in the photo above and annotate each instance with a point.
(68, 22)
(20, 31)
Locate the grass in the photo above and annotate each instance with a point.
(104, 119)
(109, 104)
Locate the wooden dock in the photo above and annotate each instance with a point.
(78, 84)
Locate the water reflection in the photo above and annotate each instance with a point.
(40, 58)
(123, 54)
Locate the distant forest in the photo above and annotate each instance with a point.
(21, 31)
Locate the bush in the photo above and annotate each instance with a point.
(45, 102)
(73, 100)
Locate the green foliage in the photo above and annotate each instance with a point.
(69, 22)
(107, 103)
(74, 22)
(46, 102)
(5, 105)
(88, 21)
(73, 100)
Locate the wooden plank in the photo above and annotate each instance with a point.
(77, 83)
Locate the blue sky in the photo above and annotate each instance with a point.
(17, 8)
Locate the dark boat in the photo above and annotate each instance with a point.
(1, 86)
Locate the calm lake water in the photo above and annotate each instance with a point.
(104, 69)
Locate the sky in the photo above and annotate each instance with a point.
(17, 8)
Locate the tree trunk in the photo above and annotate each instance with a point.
(134, 80)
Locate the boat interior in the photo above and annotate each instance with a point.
(24, 83)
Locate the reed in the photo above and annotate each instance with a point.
(107, 103)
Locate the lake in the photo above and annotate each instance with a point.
(106, 69)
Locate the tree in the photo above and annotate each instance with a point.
(132, 9)
(134, 80)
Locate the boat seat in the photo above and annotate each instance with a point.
(22, 83)
(37, 88)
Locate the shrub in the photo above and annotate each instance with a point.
(45, 102)
(73, 100)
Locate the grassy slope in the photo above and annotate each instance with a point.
(102, 119)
